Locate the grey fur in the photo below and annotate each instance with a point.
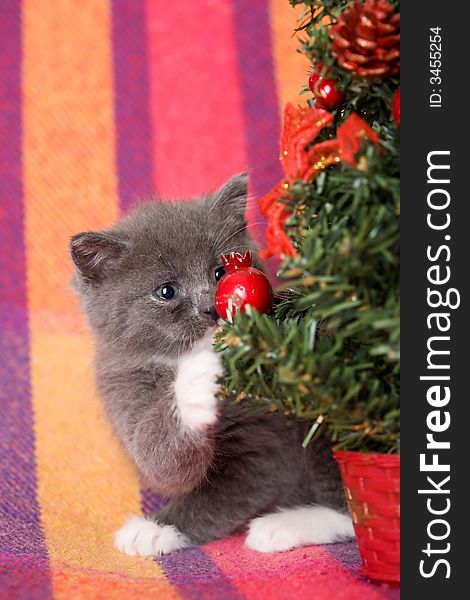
(245, 465)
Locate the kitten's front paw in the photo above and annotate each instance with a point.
(196, 388)
(142, 537)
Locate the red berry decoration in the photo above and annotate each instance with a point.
(325, 92)
(243, 285)
(396, 107)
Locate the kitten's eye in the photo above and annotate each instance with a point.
(219, 273)
(166, 292)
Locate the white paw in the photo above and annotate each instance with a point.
(196, 388)
(306, 525)
(142, 537)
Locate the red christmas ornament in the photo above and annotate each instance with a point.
(396, 107)
(325, 92)
(243, 285)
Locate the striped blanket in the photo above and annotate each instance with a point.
(102, 102)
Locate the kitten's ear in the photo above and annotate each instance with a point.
(230, 200)
(94, 254)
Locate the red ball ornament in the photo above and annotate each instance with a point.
(243, 285)
(396, 107)
(325, 92)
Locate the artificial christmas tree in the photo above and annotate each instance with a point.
(329, 351)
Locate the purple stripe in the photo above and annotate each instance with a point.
(196, 577)
(24, 578)
(191, 571)
(347, 553)
(260, 103)
(132, 110)
(151, 502)
(20, 530)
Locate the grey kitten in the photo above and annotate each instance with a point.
(147, 287)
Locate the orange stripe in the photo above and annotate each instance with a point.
(291, 68)
(83, 584)
(85, 484)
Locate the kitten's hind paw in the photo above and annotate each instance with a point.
(143, 537)
(302, 526)
(196, 388)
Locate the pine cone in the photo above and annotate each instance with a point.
(366, 39)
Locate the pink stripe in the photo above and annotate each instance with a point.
(196, 112)
(303, 573)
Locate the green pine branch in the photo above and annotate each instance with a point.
(329, 351)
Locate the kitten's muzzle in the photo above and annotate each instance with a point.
(207, 310)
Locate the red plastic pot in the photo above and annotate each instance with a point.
(372, 486)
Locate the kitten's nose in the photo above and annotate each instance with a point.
(208, 309)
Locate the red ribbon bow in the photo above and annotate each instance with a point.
(302, 160)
